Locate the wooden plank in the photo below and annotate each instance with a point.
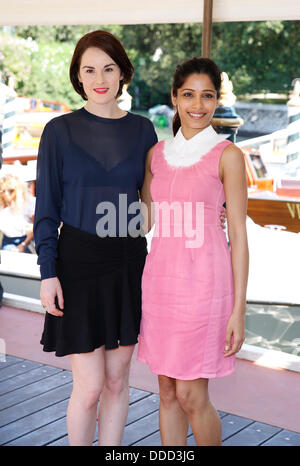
(155, 440)
(61, 442)
(26, 391)
(252, 435)
(275, 212)
(30, 423)
(152, 440)
(232, 424)
(43, 435)
(285, 438)
(9, 360)
(55, 433)
(35, 404)
(142, 408)
(140, 429)
(16, 369)
(138, 411)
(191, 442)
(136, 394)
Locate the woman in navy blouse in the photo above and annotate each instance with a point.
(89, 175)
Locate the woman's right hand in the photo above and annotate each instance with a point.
(50, 288)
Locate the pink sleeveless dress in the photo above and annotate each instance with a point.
(187, 283)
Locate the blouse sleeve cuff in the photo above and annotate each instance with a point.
(48, 270)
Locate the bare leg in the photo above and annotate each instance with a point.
(88, 378)
(114, 400)
(173, 421)
(204, 419)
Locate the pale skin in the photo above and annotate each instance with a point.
(101, 374)
(21, 247)
(9, 196)
(187, 401)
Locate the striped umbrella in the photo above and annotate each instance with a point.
(8, 98)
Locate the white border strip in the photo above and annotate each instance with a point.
(23, 302)
(269, 358)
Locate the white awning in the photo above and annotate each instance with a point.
(71, 12)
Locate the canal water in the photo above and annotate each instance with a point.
(273, 327)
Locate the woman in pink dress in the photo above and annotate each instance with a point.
(194, 284)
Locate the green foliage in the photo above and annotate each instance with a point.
(15, 59)
(39, 69)
(175, 43)
(258, 57)
(50, 74)
(53, 33)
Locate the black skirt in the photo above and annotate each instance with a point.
(101, 284)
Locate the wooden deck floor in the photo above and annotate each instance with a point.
(34, 398)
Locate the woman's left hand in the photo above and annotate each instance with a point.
(235, 333)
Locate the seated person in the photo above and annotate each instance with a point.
(16, 214)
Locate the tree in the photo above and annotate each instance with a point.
(39, 69)
(153, 71)
(258, 56)
(15, 59)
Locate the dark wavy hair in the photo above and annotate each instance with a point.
(185, 69)
(107, 42)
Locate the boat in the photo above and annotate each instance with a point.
(273, 197)
(30, 117)
(272, 162)
(273, 194)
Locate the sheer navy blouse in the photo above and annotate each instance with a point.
(85, 163)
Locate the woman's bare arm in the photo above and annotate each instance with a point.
(147, 207)
(233, 175)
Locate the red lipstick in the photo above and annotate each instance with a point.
(101, 90)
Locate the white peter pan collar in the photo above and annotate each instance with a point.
(182, 152)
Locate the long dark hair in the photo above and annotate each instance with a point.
(185, 69)
(109, 44)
